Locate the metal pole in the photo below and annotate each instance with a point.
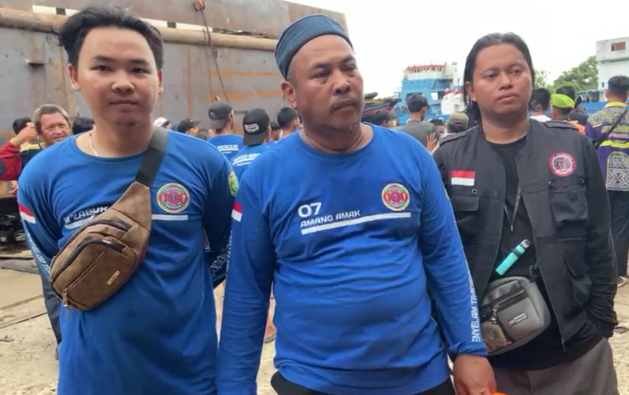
(26, 20)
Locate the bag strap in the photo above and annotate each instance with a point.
(153, 157)
(605, 135)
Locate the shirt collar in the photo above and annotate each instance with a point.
(615, 104)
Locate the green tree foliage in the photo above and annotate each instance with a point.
(541, 79)
(582, 77)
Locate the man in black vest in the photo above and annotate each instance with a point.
(511, 180)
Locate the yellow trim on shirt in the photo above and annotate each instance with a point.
(615, 104)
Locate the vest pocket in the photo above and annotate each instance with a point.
(580, 282)
(466, 213)
(569, 206)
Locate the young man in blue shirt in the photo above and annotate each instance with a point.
(222, 123)
(257, 128)
(156, 334)
(351, 235)
(288, 120)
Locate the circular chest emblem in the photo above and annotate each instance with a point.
(562, 164)
(395, 197)
(233, 183)
(173, 198)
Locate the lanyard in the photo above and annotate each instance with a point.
(511, 217)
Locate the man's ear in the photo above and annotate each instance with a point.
(160, 82)
(469, 89)
(74, 77)
(289, 93)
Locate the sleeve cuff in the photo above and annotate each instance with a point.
(468, 348)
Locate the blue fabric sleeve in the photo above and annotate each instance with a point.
(217, 220)
(39, 225)
(247, 294)
(447, 273)
(591, 132)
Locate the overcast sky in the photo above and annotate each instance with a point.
(393, 34)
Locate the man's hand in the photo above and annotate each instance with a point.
(14, 188)
(473, 376)
(431, 142)
(28, 134)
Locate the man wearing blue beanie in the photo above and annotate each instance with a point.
(351, 235)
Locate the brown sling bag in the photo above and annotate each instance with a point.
(102, 255)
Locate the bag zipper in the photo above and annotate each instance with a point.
(504, 301)
(80, 247)
(116, 224)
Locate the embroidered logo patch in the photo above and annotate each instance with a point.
(395, 197)
(173, 198)
(562, 164)
(233, 183)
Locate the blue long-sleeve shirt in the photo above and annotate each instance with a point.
(156, 335)
(227, 144)
(351, 243)
(246, 156)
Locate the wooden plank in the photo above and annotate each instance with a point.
(266, 17)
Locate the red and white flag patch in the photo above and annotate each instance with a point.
(462, 177)
(26, 214)
(237, 212)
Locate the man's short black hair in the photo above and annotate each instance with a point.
(203, 134)
(416, 102)
(619, 85)
(437, 121)
(73, 32)
(381, 117)
(82, 125)
(568, 91)
(563, 111)
(275, 126)
(540, 100)
(20, 124)
(286, 116)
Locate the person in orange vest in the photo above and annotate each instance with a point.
(561, 107)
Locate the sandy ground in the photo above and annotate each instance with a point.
(28, 367)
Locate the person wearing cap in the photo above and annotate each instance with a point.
(576, 114)
(457, 123)
(162, 122)
(350, 235)
(188, 126)
(222, 122)
(256, 130)
(613, 157)
(561, 107)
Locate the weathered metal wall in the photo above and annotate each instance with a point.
(33, 68)
(267, 17)
(250, 80)
(31, 73)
